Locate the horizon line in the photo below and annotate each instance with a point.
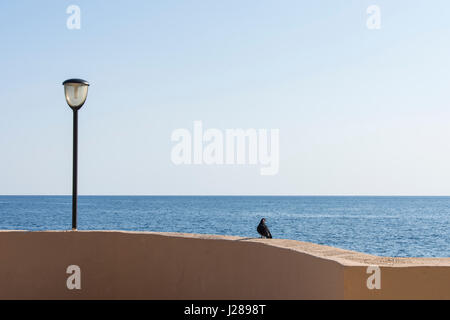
(221, 195)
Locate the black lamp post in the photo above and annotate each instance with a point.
(75, 91)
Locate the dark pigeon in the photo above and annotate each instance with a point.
(263, 230)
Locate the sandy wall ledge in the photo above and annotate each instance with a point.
(146, 265)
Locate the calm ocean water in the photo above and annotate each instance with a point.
(385, 226)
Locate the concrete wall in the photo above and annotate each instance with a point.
(135, 265)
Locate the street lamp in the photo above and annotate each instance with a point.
(75, 91)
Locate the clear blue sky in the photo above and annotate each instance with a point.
(359, 111)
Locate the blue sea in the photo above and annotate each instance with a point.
(384, 226)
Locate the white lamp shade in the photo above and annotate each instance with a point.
(76, 91)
